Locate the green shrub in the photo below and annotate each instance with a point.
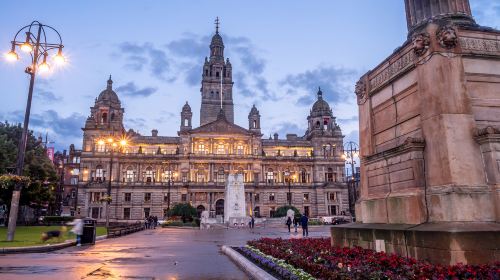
(281, 211)
(184, 210)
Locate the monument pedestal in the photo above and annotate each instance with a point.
(234, 201)
(443, 243)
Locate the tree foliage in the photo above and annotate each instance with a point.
(281, 211)
(184, 210)
(37, 167)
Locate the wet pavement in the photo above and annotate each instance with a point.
(163, 253)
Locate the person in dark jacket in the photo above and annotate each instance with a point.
(295, 223)
(289, 222)
(304, 222)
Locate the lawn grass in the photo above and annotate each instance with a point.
(30, 235)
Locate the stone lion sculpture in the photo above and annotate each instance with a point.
(447, 36)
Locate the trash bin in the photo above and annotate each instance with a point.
(89, 226)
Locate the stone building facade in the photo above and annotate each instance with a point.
(152, 173)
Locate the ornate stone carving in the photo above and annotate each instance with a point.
(480, 45)
(421, 42)
(361, 91)
(393, 69)
(489, 130)
(447, 36)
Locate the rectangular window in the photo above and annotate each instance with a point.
(306, 197)
(74, 181)
(96, 197)
(271, 197)
(184, 177)
(306, 211)
(165, 197)
(201, 149)
(100, 148)
(333, 196)
(127, 197)
(257, 198)
(200, 177)
(147, 197)
(126, 213)
(76, 159)
(239, 150)
(270, 177)
(129, 175)
(75, 171)
(221, 149)
(146, 212)
(95, 213)
(184, 197)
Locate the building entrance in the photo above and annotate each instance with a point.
(219, 207)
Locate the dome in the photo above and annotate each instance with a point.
(108, 95)
(320, 107)
(186, 107)
(217, 40)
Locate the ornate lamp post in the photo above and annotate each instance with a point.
(169, 182)
(351, 152)
(35, 43)
(118, 145)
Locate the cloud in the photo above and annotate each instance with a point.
(139, 56)
(348, 120)
(47, 96)
(130, 89)
(285, 128)
(336, 84)
(62, 130)
(352, 136)
(135, 122)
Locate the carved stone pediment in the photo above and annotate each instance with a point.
(221, 125)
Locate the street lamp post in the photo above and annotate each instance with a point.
(351, 151)
(37, 47)
(289, 196)
(170, 174)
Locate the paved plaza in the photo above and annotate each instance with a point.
(164, 253)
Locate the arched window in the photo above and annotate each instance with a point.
(270, 176)
(149, 175)
(240, 150)
(104, 117)
(112, 116)
(329, 175)
(325, 124)
(130, 174)
(167, 175)
(318, 124)
(206, 72)
(217, 74)
(99, 173)
(186, 122)
(211, 94)
(254, 124)
(303, 176)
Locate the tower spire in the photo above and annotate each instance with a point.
(217, 22)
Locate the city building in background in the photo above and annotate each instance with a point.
(149, 174)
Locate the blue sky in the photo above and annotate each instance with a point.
(281, 52)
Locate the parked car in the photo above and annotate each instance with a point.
(339, 221)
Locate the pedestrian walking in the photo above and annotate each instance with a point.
(304, 222)
(146, 223)
(289, 222)
(78, 230)
(252, 221)
(155, 221)
(295, 223)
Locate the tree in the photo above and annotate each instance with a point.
(39, 192)
(184, 210)
(281, 211)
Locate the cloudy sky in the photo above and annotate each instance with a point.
(281, 52)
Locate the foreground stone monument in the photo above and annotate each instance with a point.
(430, 135)
(234, 201)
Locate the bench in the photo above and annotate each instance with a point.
(124, 229)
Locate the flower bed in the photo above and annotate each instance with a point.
(318, 258)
